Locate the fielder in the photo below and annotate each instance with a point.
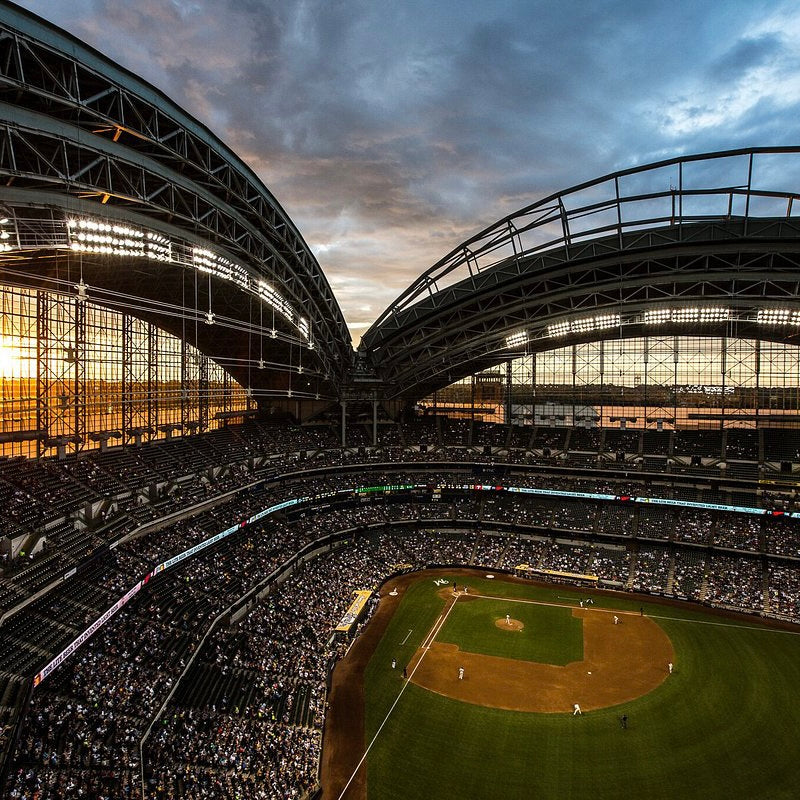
(576, 710)
(461, 673)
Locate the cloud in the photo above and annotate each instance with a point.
(391, 132)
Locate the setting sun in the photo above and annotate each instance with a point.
(10, 363)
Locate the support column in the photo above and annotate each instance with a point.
(344, 422)
(80, 394)
(202, 393)
(574, 382)
(184, 386)
(508, 392)
(724, 355)
(127, 382)
(601, 410)
(42, 409)
(757, 403)
(374, 423)
(472, 402)
(675, 356)
(153, 411)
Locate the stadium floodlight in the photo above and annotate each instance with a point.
(606, 321)
(714, 314)
(272, 297)
(558, 329)
(106, 237)
(687, 314)
(88, 235)
(777, 316)
(657, 316)
(585, 325)
(6, 243)
(517, 339)
(275, 299)
(159, 248)
(219, 267)
(305, 331)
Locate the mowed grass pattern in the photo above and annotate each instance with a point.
(722, 726)
(550, 635)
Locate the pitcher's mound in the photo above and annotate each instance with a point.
(511, 625)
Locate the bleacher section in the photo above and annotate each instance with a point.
(271, 689)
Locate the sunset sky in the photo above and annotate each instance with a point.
(391, 131)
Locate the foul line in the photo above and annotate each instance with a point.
(637, 614)
(557, 605)
(426, 644)
(727, 625)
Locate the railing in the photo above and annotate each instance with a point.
(722, 186)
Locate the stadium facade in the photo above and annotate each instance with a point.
(178, 378)
(155, 287)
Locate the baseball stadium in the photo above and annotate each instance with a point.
(536, 536)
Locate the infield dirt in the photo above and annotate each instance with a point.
(621, 662)
(625, 660)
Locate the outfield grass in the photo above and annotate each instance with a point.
(723, 726)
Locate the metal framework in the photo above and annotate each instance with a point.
(718, 231)
(81, 136)
(76, 375)
(664, 382)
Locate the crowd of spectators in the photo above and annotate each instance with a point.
(738, 531)
(523, 550)
(611, 563)
(652, 570)
(692, 525)
(574, 515)
(735, 582)
(783, 538)
(283, 644)
(88, 718)
(688, 574)
(784, 591)
(563, 557)
(488, 550)
(189, 470)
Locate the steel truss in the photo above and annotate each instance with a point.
(99, 377)
(88, 134)
(713, 243)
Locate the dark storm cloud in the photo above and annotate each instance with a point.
(744, 56)
(392, 131)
